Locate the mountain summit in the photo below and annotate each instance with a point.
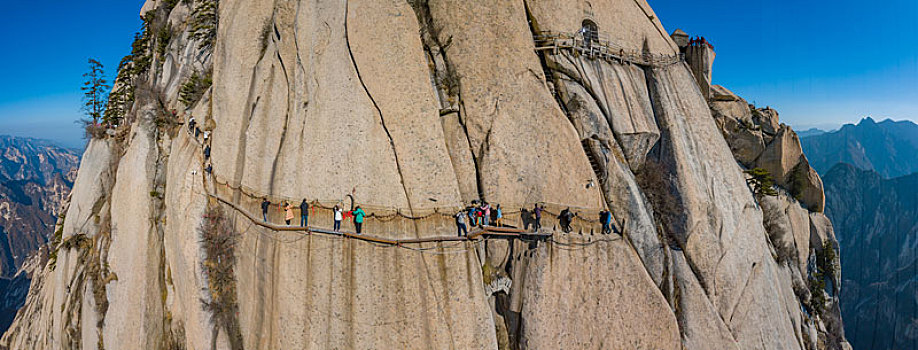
(230, 120)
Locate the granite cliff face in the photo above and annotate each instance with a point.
(412, 109)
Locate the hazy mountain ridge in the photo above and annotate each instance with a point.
(35, 178)
(888, 147)
(811, 132)
(876, 223)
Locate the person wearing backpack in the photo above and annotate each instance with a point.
(565, 219)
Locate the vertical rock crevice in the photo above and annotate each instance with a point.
(593, 148)
(283, 134)
(658, 174)
(447, 83)
(382, 119)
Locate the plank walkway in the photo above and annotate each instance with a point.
(600, 48)
(477, 234)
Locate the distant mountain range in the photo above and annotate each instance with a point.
(810, 132)
(876, 223)
(889, 147)
(870, 175)
(35, 178)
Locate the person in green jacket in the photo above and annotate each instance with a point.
(358, 214)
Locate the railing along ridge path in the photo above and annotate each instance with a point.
(599, 46)
(387, 213)
(474, 235)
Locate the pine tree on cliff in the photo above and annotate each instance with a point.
(761, 181)
(95, 90)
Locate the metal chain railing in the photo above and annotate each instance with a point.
(522, 215)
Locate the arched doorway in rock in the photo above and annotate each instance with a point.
(590, 32)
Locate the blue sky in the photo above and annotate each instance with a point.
(819, 63)
(46, 46)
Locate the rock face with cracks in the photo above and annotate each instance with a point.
(411, 110)
(758, 140)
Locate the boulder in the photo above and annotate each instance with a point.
(784, 160)
(781, 156)
(734, 118)
(745, 141)
(807, 187)
(821, 230)
(737, 110)
(767, 118)
(788, 227)
(720, 93)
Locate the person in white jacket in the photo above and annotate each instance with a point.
(339, 216)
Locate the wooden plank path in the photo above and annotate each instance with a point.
(599, 47)
(477, 234)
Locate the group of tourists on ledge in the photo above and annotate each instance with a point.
(480, 214)
(339, 214)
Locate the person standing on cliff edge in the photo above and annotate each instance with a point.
(288, 212)
(500, 216)
(537, 210)
(605, 217)
(460, 223)
(358, 214)
(565, 219)
(339, 215)
(304, 213)
(264, 208)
